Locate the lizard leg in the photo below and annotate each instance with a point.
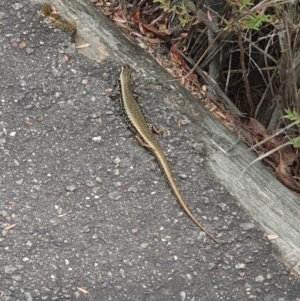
(142, 142)
(113, 95)
(155, 130)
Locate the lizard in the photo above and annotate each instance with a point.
(136, 121)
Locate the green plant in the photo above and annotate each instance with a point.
(255, 21)
(244, 4)
(292, 115)
(184, 20)
(249, 17)
(165, 5)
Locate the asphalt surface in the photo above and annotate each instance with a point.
(85, 212)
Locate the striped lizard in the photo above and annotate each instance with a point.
(137, 123)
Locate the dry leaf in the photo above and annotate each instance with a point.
(82, 290)
(118, 20)
(219, 114)
(99, 3)
(143, 45)
(209, 16)
(22, 45)
(197, 20)
(83, 46)
(122, 25)
(272, 236)
(64, 214)
(156, 41)
(163, 28)
(135, 16)
(66, 58)
(176, 56)
(103, 52)
(9, 227)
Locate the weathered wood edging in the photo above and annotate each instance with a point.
(271, 205)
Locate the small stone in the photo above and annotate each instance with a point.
(19, 182)
(182, 176)
(89, 183)
(259, 278)
(17, 6)
(122, 272)
(144, 245)
(247, 226)
(127, 262)
(22, 82)
(133, 189)
(117, 160)
(93, 115)
(84, 81)
(98, 180)
(71, 188)
(9, 270)
(211, 266)
(114, 195)
(28, 107)
(223, 206)
(109, 112)
(97, 139)
(29, 50)
(240, 266)
(182, 296)
(28, 296)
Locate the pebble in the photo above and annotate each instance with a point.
(117, 160)
(133, 189)
(29, 50)
(71, 188)
(182, 296)
(96, 139)
(259, 278)
(89, 183)
(247, 226)
(240, 266)
(144, 245)
(28, 296)
(9, 270)
(211, 266)
(17, 6)
(223, 206)
(114, 195)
